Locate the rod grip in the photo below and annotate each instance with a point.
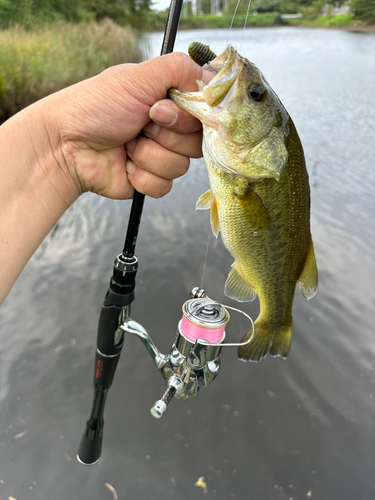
(90, 447)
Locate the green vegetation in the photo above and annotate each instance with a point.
(36, 63)
(339, 21)
(272, 12)
(212, 21)
(46, 45)
(365, 10)
(32, 12)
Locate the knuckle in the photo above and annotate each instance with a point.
(142, 153)
(184, 165)
(181, 57)
(163, 189)
(173, 141)
(152, 185)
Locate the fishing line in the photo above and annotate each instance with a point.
(244, 26)
(234, 15)
(205, 258)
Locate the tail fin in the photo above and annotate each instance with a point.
(268, 338)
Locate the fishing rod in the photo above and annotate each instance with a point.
(120, 295)
(193, 361)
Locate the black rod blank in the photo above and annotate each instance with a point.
(138, 198)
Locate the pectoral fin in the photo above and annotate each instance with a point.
(267, 159)
(254, 209)
(204, 201)
(308, 280)
(237, 288)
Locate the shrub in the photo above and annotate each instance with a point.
(36, 63)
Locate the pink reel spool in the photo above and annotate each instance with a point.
(204, 319)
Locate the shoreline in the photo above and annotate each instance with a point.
(353, 29)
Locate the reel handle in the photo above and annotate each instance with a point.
(174, 383)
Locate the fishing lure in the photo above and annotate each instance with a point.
(201, 53)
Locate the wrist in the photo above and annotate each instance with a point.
(35, 188)
(47, 164)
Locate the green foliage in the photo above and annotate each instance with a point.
(365, 10)
(32, 12)
(312, 10)
(281, 6)
(36, 63)
(341, 20)
(212, 21)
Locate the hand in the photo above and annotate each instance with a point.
(97, 117)
(86, 138)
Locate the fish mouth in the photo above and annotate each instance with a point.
(228, 65)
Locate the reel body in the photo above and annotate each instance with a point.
(191, 363)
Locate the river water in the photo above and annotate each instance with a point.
(278, 429)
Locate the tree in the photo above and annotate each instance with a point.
(364, 10)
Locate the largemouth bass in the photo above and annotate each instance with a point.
(259, 197)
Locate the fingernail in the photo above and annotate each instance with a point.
(165, 115)
(129, 146)
(130, 167)
(151, 129)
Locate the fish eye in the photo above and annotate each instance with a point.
(257, 92)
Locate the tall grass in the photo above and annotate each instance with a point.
(35, 63)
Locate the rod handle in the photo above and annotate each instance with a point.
(90, 447)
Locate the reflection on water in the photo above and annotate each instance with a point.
(273, 430)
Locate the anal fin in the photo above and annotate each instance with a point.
(237, 288)
(308, 280)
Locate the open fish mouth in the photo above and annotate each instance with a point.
(229, 65)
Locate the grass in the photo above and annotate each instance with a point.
(212, 21)
(261, 19)
(341, 20)
(35, 63)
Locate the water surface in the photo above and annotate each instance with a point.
(274, 430)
